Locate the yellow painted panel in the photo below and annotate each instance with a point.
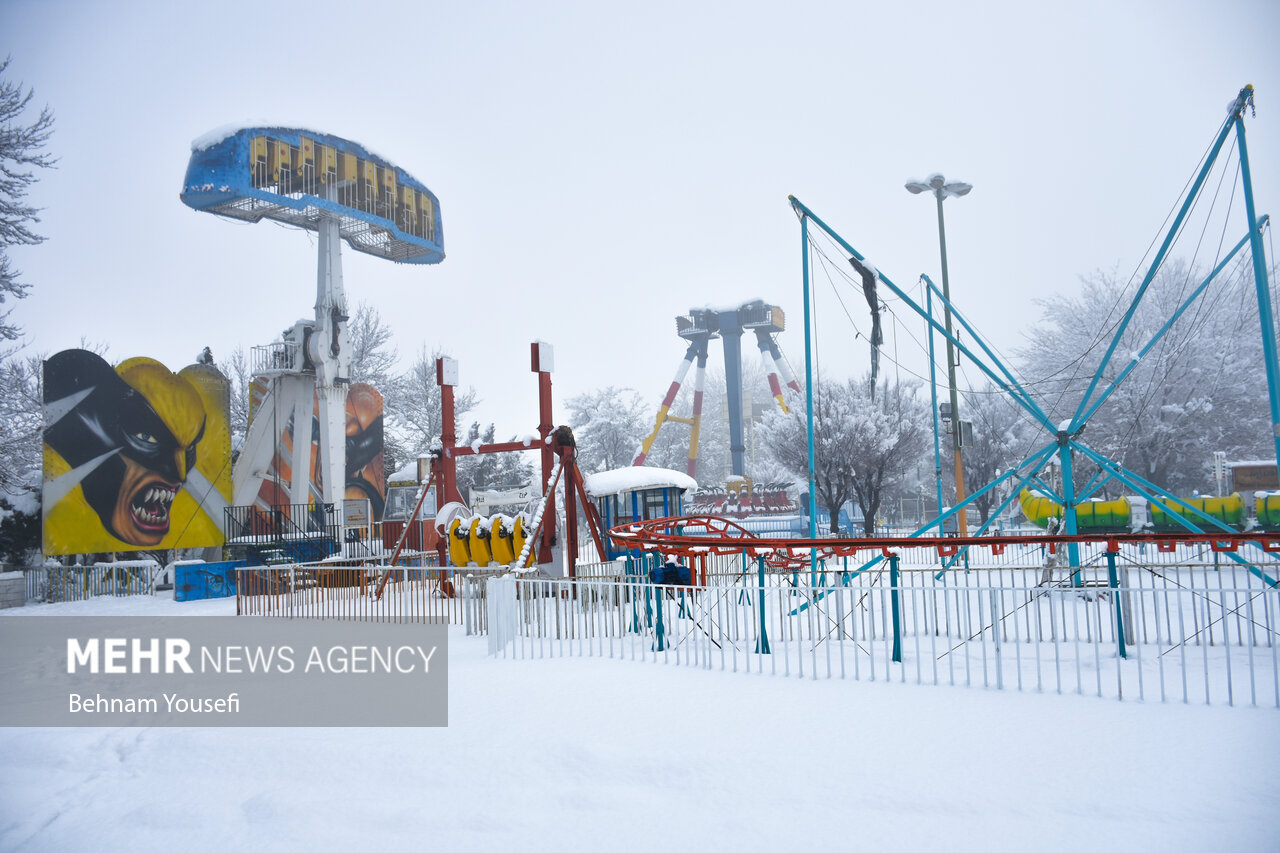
(280, 158)
(328, 161)
(347, 166)
(429, 211)
(306, 153)
(410, 210)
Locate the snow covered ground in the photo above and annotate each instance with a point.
(590, 754)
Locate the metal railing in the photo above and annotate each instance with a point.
(295, 526)
(420, 593)
(1033, 554)
(76, 583)
(1183, 634)
(275, 357)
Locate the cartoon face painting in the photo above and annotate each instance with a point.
(128, 436)
(366, 478)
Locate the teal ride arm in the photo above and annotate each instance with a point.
(1013, 388)
(1260, 281)
(1181, 309)
(1174, 228)
(1149, 491)
(806, 214)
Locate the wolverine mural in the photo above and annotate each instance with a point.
(365, 453)
(135, 457)
(366, 475)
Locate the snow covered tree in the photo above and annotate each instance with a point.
(236, 369)
(863, 447)
(412, 404)
(1001, 438)
(21, 151)
(21, 423)
(491, 470)
(373, 359)
(609, 425)
(1199, 390)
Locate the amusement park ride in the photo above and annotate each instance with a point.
(337, 188)
(701, 326)
(288, 476)
(1216, 523)
(340, 190)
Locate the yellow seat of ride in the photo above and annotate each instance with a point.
(459, 543)
(1039, 509)
(1090, 515)
(518, 536)
(1269, 511)
(1229, 510)
(500, 540)
(480, 553)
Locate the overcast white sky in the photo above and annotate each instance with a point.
(602, 168)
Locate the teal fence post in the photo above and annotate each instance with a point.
(648, 593)
(762, 641)
(659, 633)
(634, 627)
(1113, 581)
(896, 605)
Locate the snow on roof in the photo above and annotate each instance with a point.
(727, 309)
(218, 134)
(630, 479)
(407, 474)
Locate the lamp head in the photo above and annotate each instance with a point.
(938, 186)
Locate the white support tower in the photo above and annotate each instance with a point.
(311, 370)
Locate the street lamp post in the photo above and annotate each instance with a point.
(940, 188)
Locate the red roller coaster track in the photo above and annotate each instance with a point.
(695, 535)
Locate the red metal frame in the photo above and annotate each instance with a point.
(676, 536)
(447, 466)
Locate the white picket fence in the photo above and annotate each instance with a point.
(1196, 634)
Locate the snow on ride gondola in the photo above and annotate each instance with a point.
(299, 177)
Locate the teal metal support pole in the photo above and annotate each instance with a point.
(1269, 355)
(1069, 507)
(1012, 496)
(803, 211)
(762, 640)
(648, 593)
(634, 627)
(808, 391)
(896, 604)
(1014, 388)
(1149, 491)
(1173, 318)
(1113, 581)
(933, 399)
(659, 635)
